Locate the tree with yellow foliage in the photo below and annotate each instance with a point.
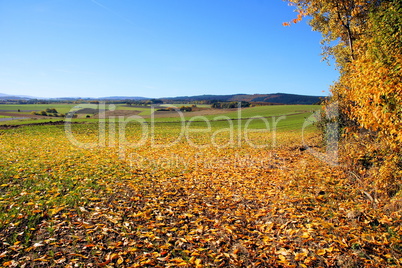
(365, 38)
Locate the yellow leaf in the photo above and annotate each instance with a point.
(300, 256)
(198, 262)
(283, 259)
(41, 259)
(385, 220)
(282, 251)
(120, 260)
(305, 235)
(55, 210)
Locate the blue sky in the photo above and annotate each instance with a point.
(157, 48)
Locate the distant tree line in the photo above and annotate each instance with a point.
(143, 102)
(32, 101)
(229, 105)
(182, 108)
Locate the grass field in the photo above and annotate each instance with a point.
(295, 114)
(61, 108)
(275, 110)
(226, 193)
(178, 105)
(144, 110)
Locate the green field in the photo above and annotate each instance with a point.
(275, 110)
(294, 114)
(144, 110)
(178, 105)
(61, 108)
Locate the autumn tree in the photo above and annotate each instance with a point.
(365, 39)
(373, 89)
(339, 21)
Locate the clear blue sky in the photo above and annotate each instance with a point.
(157, 48)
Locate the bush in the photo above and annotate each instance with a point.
(51, 111)
(186, 109)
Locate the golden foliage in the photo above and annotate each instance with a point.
(369, 91)
(183, 206)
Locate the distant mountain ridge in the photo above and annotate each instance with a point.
(273, 98)
(15, 97)
(25, 97)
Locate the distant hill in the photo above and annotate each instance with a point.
(15, 97)
(123, 98)
(276, 98)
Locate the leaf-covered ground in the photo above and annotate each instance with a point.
(184, 205)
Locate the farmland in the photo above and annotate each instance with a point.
(212, 191)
